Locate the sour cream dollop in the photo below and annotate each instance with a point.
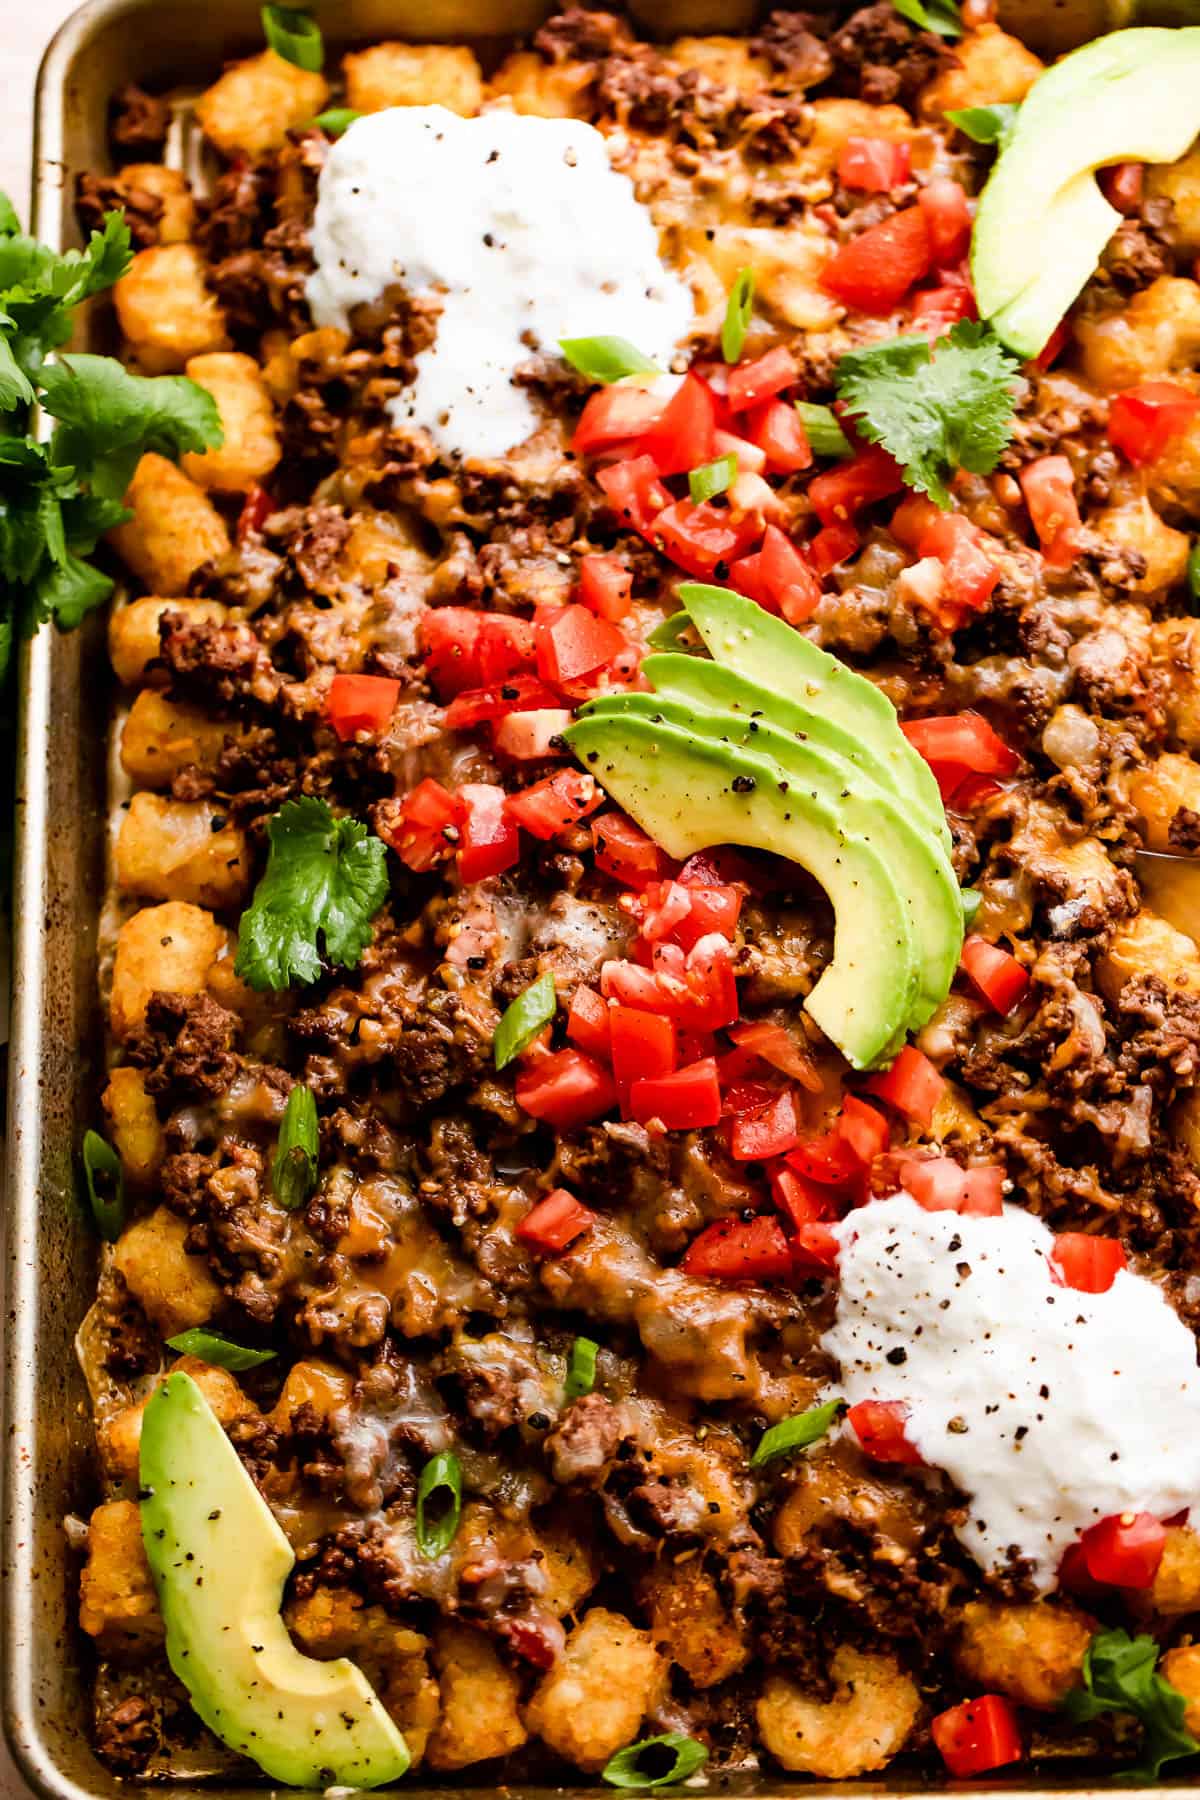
(1049, 1408)
(519, 226)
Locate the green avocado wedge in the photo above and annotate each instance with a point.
(915, 859)
(219, 1562)
(691, 792)
(1042, 222)
(739, 635)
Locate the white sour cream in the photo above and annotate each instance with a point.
(523, 231)
(1049, 1408)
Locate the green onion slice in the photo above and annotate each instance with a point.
(712, 477)
(105, 1185)
(522, 1021)
(581, 1368)
(215, 1348)
(987, 124)
(294, 1171)
(606, 358)
(682, 1756)
(940, 16)
(442, 1475)
(821, 428)
(675, 633)
(294, 36)
(972, 900)
(1193, 576)
(738, 309)
(337, 120)
(796, 1433)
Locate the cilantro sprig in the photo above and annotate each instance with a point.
(937, 408)
(939, 16)
(1120, 1674)
(325, 880)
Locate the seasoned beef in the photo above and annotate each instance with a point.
(187, 1048)
(96, 195)
(138, 122)
(886, 59)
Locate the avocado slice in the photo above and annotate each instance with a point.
(913, 857)
(1042, 222)
(770, 652)
(219, 1562)
(690, 792)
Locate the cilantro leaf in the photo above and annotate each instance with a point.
(940, 16)
(936, 409)
(67, 591)
(9, 223)
(987, 124)
(1120, 1674)
(108, 417)
(326, 878)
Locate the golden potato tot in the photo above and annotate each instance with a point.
(992, 67)
(1134, 525)
(133, 1125)
(173, 1289)
(727, 61)
(251, 448)
(1147, 945)
(251, 107)
(479, 1694)
(691, 1623)
(865, 1724)
(133, 636)
(1177, 652)
(596, 1695)
(413, 75)
(172, 188)
(545, 90)
(1179, 182)
(117, 1602)
(1159, 789)
(121, 1433)
(1032, 1653)
(162, 737)
(569, 1566)
(1158, 330)
(182, 850)
(1181, 1668)
(1176, 1587)
(175, 528)
(319, 1385)
(336, 1622)
(169, 948)
(165, 309)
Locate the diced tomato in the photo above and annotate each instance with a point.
(683, 438)
(630, 984)
(959, 546)
(879, 1428)
(555, 804)
(423, 829)
(770, 1131)
(450, 641)
(1143, 420)
(532, 736)
(815, 1249)
(606, 586)
(1048, 485)
(842, 1157)
(936, 309)
(709, 1001)
(831, 546)
(635, 492)
(1054, 346)
(776, 428)
(840, 492)
(574, 644)
(687, 1100)
(863, 1129)
(912, 1085)
(566, 1089)
(721, 866)
(1090, 1264)
(505, 646)
(913, 517)
(256, 510)
(1125, 1549)
(978, 1735)
(869, 165)
(752, 382)
(615, 414)
(998, 976)
(555, 1222)
(643, 1045)
(776, 1045)
(947, 217)
(360, 703)
(516, 693)
(875, 270)
(802, 1202)
(624, 851)
(963, 738)
(740, 1250)
(939, 1184)
(587, 1023)
(488, 840)
(787, 577)
(686, 912)
(749, 457)
(704, 537)
(1121, 184)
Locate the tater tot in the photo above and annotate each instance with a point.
(175, 529)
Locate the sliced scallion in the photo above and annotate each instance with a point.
(606, 358)
(336, 120)
(712, 477)
(738, 309)
(634, 1766)
(215, 1348)
(529, 1013)
(972, 900)
(1193, 576)
(105, 1185)
(295, 36)
(581, 1368)
(821, 428)
(986, 124)
(939, 16)
(441, 1477)
(294, 1171)
(796, 1433)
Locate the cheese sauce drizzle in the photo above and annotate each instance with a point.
(523, 232)
(1049, 1408)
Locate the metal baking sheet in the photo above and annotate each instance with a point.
(57, 1044)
